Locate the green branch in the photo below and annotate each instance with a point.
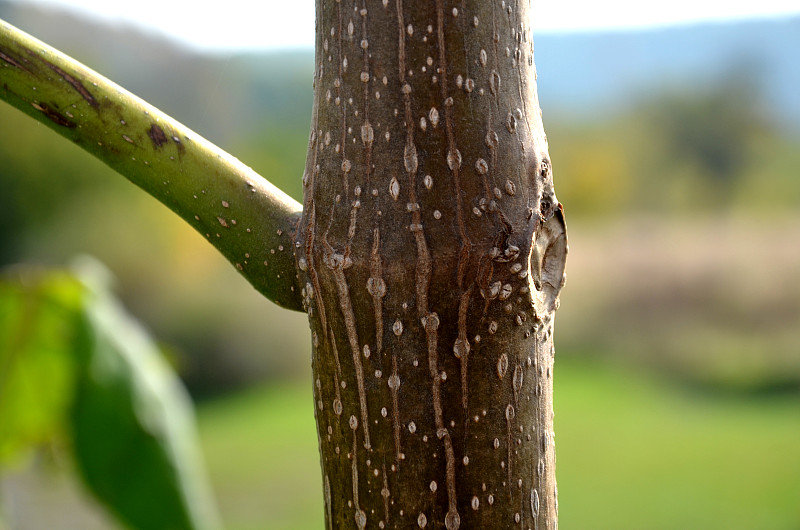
(244, 216)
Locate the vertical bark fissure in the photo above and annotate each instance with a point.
(360, 515)
(431, 324)
(337, 374)
(351, 229)
(461, 347)
(394, 385)
(315, 286)
(376, 286)
(328, 501)
(411, 164)
(453, 155)
(423, 268)
(310, 211)
(327, 333)
(346, 306)
(385, 493)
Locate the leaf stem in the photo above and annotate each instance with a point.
(243, 215)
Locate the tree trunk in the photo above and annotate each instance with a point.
(431, 250)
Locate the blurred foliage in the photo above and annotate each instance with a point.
(74, 366)
(705, 152)
(38, 323)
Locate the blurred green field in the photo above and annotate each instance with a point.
(634, 452)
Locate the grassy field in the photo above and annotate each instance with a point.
(634, 452)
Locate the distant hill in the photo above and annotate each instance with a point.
(580, 74)
(584, 71)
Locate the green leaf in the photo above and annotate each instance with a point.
(72, 360)
(39, 317)
(134, 432)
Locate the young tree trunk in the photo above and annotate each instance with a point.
(431, 251)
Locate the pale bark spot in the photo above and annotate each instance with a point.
(502, 365)
(367, 134)
(454, 159)
(394, 188)
(433, 115)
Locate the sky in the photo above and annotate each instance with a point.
(259, 24)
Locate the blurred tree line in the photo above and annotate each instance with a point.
(692, 151)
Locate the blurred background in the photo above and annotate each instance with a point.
(676, 152)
